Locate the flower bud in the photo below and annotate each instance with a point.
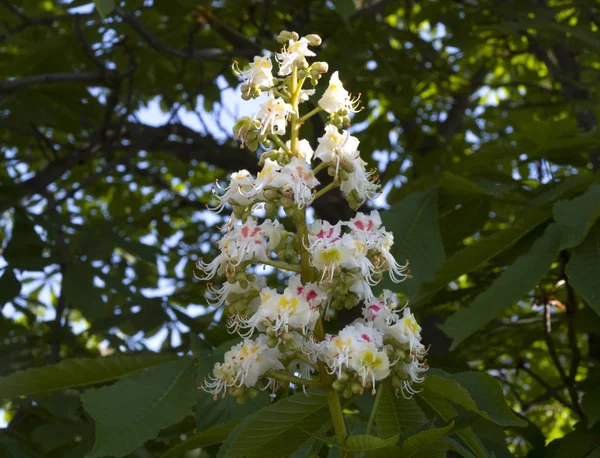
(356, 387)
(241, 400)
(287, 337)
(396, 382)
(338, 385)
(245, 88)
(252, 145)
(291, 346)
(251, 277)
(344, 377)
(270, 332)
(251, 393)
(348, 393)
(281, 347)
(272, 342)
(321, 67)
(267, 143)
(302, 74)
(400, 355)
(313, 39)
(285, 36)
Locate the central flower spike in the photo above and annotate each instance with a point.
(327, 266)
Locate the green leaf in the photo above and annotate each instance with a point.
(53, 436)
(583, 269)
(414, 223)
(136, 408)
(345, 8)
(80, 292)
(447, 412)
(25, 248)
(576, 216)
(213, 435)
(513, 284)
(475, 391)
(590, 404)
(396, 414)
(363, 442)
(104, 7)
(75, 372)
(480, 252)
(423, 440)
(9, 286)
(280, 427)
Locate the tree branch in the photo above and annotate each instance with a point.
(83, 77)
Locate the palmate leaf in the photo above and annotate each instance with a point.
(413, 221)
(9, 286)
(416, 444)
(364, 442)
(447, 412)
(513, 284)
(396, 414)
(104, 7)
(280, 428)
(480, 252)
(583, 269)
(577, 216)
(475, 391)
(75, 372)
(136, 408)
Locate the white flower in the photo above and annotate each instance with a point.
(337, 351)
(259, 72)
(305, 151)
(334, 145)
(274, 232)
(227, 288)
(300, 180)
(240, 191)
(383, 244)
(359, 258)
(283, 312)
(412, 372)
(381, 310)
(322, 233)
(406, 330)
(273, 115)
(243, 365)
(270, 175)
(296, 51)
(370, 364)
(366, 225)
(311, 292)
(336, 97)
(329, 258)
(243, 243)
(360, 180)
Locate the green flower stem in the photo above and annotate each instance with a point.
(321, 166)
(337, 416)
(334, 184)
(374, 409)
(308, 274)
(292, 379)
(282, 265)
(279, 142)
(310, 114)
